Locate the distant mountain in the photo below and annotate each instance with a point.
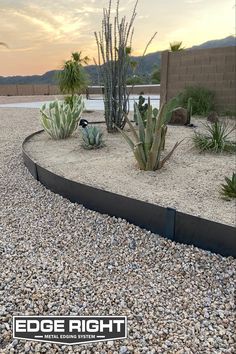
(225, 42)
(146, 65)
(48, 78)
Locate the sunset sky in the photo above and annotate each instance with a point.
(41, 34)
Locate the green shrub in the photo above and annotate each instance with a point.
(202, 100)
(228, 190)
(59, 120)
(215, 138)
(149, 141)
(92, 137)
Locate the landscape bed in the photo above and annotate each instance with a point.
(189, 182)
(112, 169)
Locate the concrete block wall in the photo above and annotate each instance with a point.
(213, 68)
(32, 90)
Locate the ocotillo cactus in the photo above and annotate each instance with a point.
(114, 48)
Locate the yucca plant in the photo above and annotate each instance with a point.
(215, 138)
(73, 78)
(149, 142)
(59, 119)
(228, 190)
(92, 137)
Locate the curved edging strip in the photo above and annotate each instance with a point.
(167, 222)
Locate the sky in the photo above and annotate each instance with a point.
(41, 34)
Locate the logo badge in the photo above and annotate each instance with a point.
(70, 329)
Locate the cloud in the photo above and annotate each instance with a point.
(44, 32)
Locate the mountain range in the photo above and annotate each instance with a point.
(146, 64)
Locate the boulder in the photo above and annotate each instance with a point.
(179, 116)
(213, 117)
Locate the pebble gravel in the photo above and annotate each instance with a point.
(59, 258)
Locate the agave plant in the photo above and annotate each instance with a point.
(228, 190)
(60, 120)
(92, 137)
(148, 142)
(215, 138)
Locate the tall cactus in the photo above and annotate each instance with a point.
(114, 43)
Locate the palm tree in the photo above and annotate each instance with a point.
(73, 78)
(176, 46)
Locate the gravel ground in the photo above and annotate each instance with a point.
(59, 258)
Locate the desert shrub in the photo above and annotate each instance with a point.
(59, 119)
(202, 99)
(228, 190)
(215, 138)
(149, 141)
(92, 137)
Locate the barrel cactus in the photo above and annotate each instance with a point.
(92, 137)
(60, 119)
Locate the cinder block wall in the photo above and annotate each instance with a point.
(213, 68)
(31, 90)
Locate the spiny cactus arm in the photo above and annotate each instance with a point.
(141, 127)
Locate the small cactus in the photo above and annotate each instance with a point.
(92, 137)
(142, 108)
